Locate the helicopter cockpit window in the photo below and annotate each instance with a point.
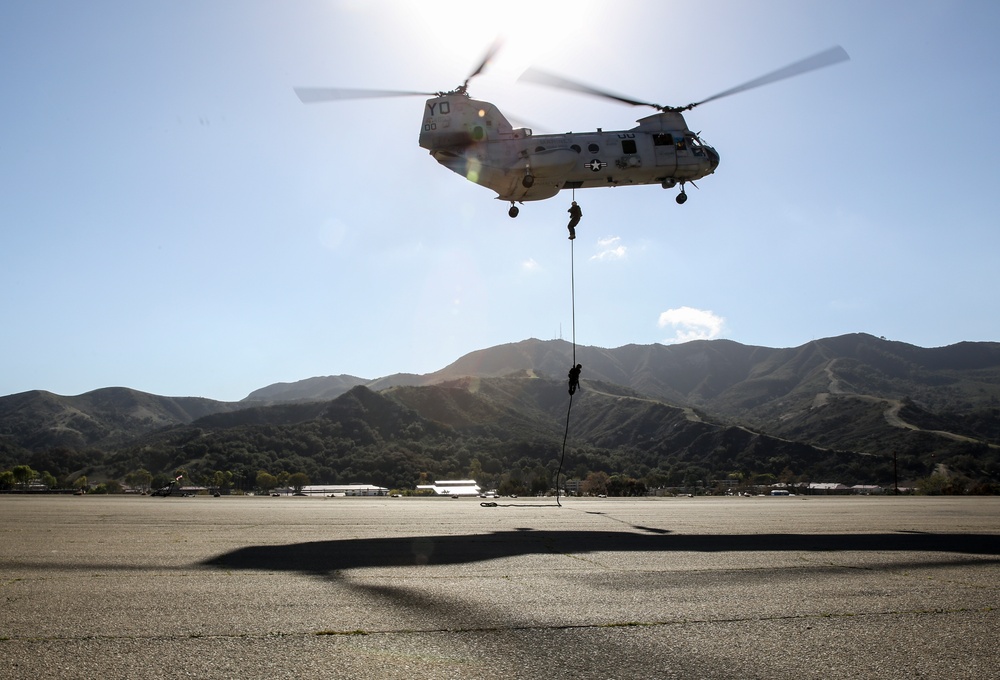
(695, 145)
(681, 144)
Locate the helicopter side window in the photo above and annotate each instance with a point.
(478, 133)
(628, 146)
(681, 144)
(594, 148)
(575, 147)
(663, 139)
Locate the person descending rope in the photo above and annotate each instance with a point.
(574, 377)
(574, 219)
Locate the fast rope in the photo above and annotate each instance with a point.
(572, 290)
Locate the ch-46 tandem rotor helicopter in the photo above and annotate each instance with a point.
(475, 140)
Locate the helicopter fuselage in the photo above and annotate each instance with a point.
(472, 138)
(475, 140)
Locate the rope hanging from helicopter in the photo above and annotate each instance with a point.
(574, 371)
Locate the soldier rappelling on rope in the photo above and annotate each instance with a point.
(575, 213)
(574, 378)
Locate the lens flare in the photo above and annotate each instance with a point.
(472, 168)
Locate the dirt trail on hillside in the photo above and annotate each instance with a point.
(689, 412)
(892, 407)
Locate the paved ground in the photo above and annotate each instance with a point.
(121, 587)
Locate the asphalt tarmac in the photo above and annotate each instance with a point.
(261, 587)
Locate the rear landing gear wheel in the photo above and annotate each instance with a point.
(681, 198)
(513, 211)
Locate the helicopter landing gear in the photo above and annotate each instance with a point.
(681, 197)
(528, 181)
(513, 210)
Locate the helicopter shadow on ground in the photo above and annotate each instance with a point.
(506, 631)
(330, 557)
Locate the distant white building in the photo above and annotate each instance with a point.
(453, 487)
(828, 488)
(338, 490)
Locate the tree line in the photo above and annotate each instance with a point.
(525, 477)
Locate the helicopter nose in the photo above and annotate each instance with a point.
(713, 157)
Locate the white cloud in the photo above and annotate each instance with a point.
(610, 248)
(691, 324)
(530, 265)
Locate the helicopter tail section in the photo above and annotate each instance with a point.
(455, 121)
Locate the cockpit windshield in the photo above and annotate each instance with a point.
(695, 144)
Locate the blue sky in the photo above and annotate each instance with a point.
(174, 220)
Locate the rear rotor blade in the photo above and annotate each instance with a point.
(312, 95)
(487, 58)
(534, 75)
(829, 57)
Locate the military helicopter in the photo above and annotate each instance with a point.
(475, 140)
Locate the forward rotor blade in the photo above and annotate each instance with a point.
(312, 95)
(829, 57)
(534, 75)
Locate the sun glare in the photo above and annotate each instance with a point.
(529, 30)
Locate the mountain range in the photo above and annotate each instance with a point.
(856, 398)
